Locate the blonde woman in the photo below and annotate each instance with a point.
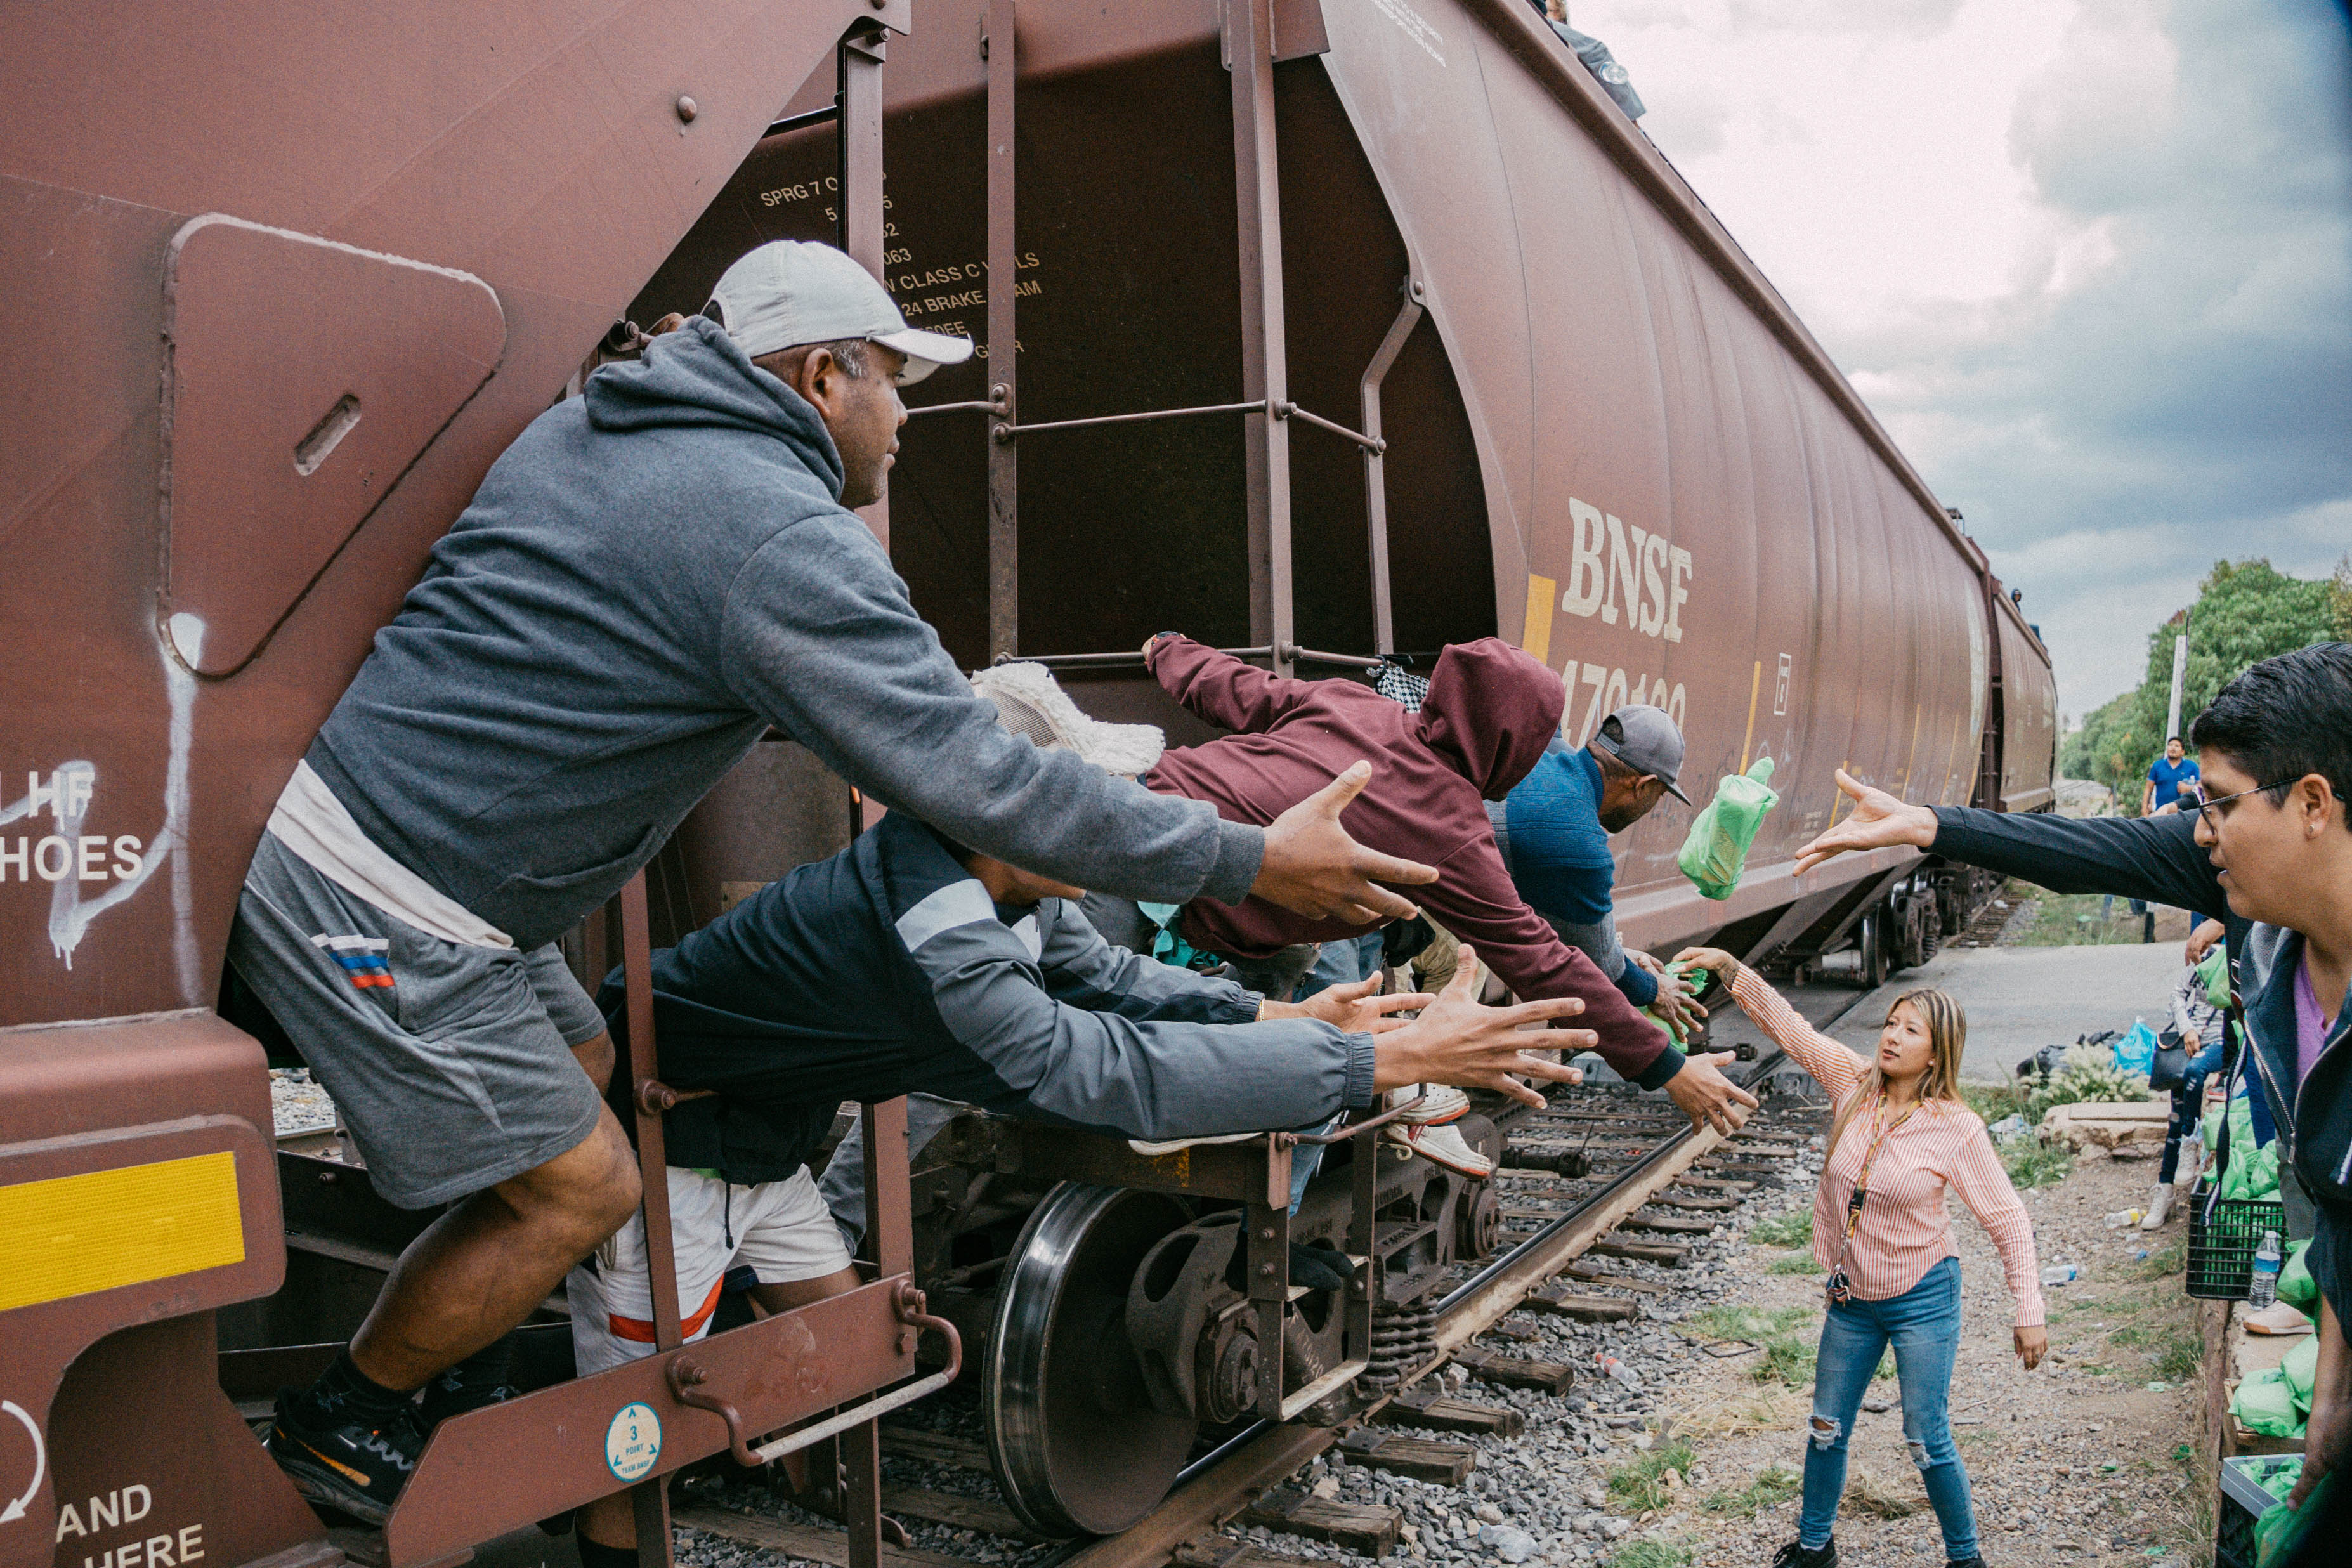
(1901, 1136)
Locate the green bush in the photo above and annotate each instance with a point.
(1642, 1483)
(1794, 1228)
(1771, 1487)
(1651, 1553)
(2037, 1164)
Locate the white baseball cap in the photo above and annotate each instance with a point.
(1030, 702)
(788, 292)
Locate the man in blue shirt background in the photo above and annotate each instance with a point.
(1554, 829)
(2165, 777)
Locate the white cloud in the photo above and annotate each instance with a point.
(2090, 260)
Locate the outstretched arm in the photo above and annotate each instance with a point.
(1834, 1066)
(2151, 857)
(1217, 686)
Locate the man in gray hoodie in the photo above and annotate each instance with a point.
(653, 574)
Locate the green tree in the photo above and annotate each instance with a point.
(2246, 611)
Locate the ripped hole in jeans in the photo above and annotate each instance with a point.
(1919, 1453)
(1825, 1432)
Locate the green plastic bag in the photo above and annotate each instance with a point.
(2213, 969)
(1674, 971)
(2283, 1477)
(1716, 853)
(2282, 1533)
(2264, 1403)
(2252, 1175)
(2296, 1288)
(2299, 1366)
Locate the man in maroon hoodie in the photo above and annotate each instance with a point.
(1490, 711)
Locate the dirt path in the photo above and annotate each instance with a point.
(2083, 1461)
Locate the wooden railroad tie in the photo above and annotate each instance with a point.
(914, 1443)
(1671, 1253)
(1422, 1459)
(1369, 1529)
(1510, 1372)
(806, 1542)
(1676, 1201)
(1707, 1185)
(1442, 1413)
(963, 1512)
(1757, 1172)
(1667, 1224)
(1583, 1308)
(1223, 1552)
(1599, 1274)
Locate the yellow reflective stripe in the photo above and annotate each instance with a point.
(70, 1235)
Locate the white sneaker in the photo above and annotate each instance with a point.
(1440, 1146)
(1440, 1103)
(2160, 1203)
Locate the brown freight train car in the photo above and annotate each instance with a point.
(287, 279)
(1601, 432)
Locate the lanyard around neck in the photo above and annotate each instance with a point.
(1870, 1159)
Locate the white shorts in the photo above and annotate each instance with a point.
(782, 1230)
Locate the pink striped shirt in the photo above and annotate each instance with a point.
(1905, 1229)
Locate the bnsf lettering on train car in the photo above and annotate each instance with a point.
(1615, 569)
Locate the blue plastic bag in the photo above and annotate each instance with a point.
(2135, 1050)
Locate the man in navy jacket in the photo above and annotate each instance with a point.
(2272, 848)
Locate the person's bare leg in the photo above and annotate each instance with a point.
(480, 1268)
(609, 1520)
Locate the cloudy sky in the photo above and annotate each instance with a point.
(2090, 260)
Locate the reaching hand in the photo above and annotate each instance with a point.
(1701, 1092)
(1313, 869)
(2201, 943)
(1712, 959)
(2032, 1341)
(1354, 1009)
(1677, 1007)
(1878, 821)
(1643, 960)
(1455, 1040)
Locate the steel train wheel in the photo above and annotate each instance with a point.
(1077, 1446)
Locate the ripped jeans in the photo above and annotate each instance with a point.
(1923, 1325)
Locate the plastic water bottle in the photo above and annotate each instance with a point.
(2060, 1274)
(2122, 1220)
(2263, 1289)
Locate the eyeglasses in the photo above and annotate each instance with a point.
(2210, 811)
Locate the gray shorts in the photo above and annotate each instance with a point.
(452, 1065)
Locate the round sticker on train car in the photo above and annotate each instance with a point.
(633, 1442)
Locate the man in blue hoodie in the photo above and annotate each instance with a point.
(650, 577)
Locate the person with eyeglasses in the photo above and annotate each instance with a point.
(2270, 846)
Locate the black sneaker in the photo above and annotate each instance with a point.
(1794, 1556)
(353, 1468)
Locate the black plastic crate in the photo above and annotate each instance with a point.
(2243, 1501)
(2222, 1236)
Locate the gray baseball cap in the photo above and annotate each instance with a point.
(789, 292)
(1645, 740)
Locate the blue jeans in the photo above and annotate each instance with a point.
(1342, 962)
(1924, 1324)
(2187, 1104)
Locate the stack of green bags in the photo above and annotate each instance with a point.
(2252, 1173)
(2277, 1401)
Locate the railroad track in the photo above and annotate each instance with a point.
(1647, 1188)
